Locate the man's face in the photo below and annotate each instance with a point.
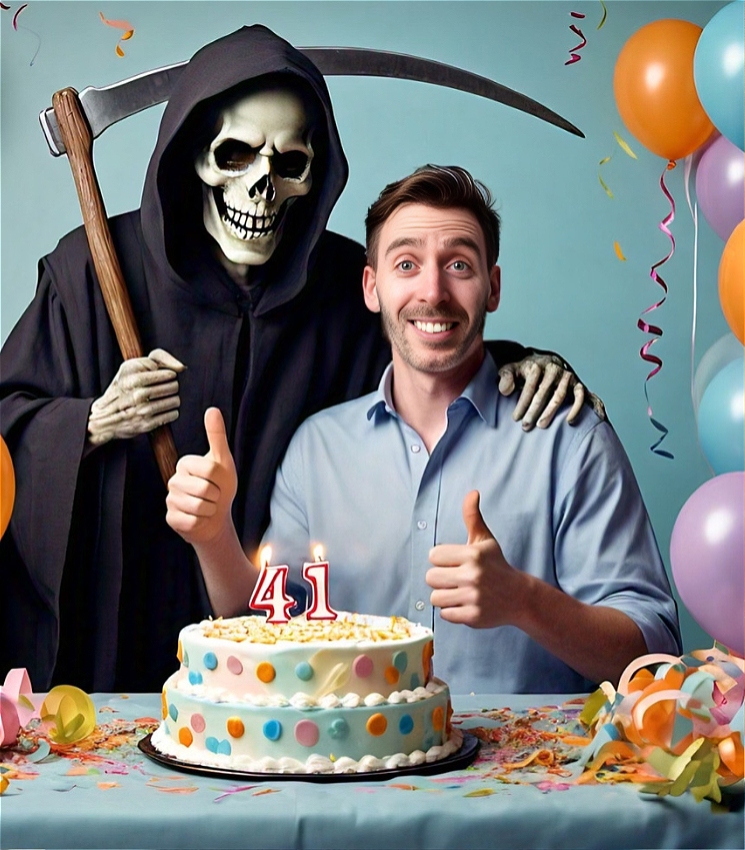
(257, 165)
(432, 286)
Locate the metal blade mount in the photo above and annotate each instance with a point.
(106, 105)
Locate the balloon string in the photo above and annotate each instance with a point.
(693, 209)
(655, 330)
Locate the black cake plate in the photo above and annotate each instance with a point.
(458, 760)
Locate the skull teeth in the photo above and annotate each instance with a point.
(247, 226)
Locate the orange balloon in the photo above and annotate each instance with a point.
(7, 486)
(655, 90)
(732, 281)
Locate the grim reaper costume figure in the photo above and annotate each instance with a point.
(95, 585)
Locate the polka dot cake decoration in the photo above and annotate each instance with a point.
(354, 694)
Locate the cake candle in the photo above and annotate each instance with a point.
(270, 592)
(316, 573)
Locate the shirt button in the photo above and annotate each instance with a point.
(416, 449)
(419, 605)
(421, 525)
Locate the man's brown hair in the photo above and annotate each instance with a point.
(442, 186)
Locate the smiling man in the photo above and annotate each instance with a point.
(532, 555)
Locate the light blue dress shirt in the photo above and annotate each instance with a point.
(562, 502)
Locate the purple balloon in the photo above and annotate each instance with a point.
(707, 554)
(720, 186)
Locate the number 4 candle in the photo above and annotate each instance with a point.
(316, 573)
(270, 592)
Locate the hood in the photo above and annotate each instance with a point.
(171, 209)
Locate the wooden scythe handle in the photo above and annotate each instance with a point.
(79, 144)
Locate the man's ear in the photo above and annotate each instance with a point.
(495, 289)
(370, 291)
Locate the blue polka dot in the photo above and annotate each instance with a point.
(415, 682)
(400, 661)
(186, 659)
(428, 742)
(173, 711)
(224, 748)
(339, 729)
(195, 677)
(304, 671)
(272, 730)
(406, 724)
(210, 660)
(212, 744)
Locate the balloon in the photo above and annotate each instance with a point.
(732, 281)
(720, 186)
(655, 91)
(7, 486)
(707, 551)
(724, 351)
(718, 71)
(721, 419)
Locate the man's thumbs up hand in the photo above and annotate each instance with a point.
(472, 583)
(201, 492)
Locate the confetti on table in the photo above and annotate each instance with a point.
(129, 31)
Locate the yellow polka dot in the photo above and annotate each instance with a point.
(265, 672)
(185, 737)
(180, 653)
(163, 704)
(235, 727)
(391, 675)
(377, 724)
(438, 718)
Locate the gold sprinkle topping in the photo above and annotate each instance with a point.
(350, 627)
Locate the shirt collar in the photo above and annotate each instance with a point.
(479, 393)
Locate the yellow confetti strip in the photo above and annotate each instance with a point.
(619, 252)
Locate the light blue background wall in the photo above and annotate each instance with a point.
(564, 288)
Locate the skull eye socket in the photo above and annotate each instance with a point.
(291, 164)
(232, 155)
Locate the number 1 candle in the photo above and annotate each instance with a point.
(316, 573)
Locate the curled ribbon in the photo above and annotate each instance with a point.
(122, 25)
(655, 330)
(573, 55)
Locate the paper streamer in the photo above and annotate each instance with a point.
(674, 725)
(5, 7)
(71, 714)
(129, 31)
(573, 55)
(656, 330)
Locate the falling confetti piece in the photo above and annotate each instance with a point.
(573, 55)
(605, 15)
(3, 6)
(129, 31)
(619, 252)
(605, 186)
(624, 146)
(15, 17)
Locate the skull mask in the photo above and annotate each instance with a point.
(253, 170)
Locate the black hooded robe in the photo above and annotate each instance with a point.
(95, 585)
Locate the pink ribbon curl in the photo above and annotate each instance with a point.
(655, 330)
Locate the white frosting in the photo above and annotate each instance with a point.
(315, 763)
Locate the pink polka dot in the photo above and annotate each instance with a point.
(306, 733)
(362, 666)
(234, 665)
(197, 723)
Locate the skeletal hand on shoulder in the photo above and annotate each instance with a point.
(546, 381)
(142, 396)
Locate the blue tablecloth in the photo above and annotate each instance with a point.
(108, 794)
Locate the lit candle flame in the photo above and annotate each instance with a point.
(318, 553)
(266, 556)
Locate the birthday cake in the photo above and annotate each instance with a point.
(308, 696)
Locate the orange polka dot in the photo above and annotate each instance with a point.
(235, 727)
(438, 718)
(163, 704)
(391, 675)
(377, 724)
(185, 737)
(427, 653)
(265, 672)
(180, 653)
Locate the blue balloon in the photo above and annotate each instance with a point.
(721, 419)
(719, 71)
